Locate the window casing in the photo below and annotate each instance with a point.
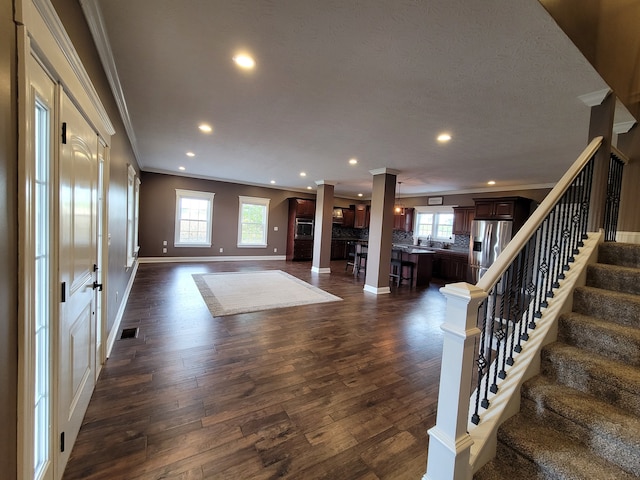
(194, 218)
(434, 223)
(253, 222)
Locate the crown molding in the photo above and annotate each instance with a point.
(95, 21)
(53, 23)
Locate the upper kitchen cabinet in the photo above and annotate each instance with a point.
(404, 221)
(462, 218)
(361, 219)
(348, 217)
(303, 208)
(503, 208)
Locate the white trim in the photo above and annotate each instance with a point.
(113, 333)
(56, 47)
(320, 269)
(380, 171)
(262, 201)
(628, 237)
(209, 196)
(95, 21)
(229, 258)
(594, 98)
(377, 290)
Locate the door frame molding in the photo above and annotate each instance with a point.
(41, 34)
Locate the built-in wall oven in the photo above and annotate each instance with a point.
(304, 229)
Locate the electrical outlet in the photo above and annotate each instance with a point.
(275, 250)
(221, 249)
(117, 296)
(164, 250)
(164, 242)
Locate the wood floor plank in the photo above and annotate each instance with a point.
(340, 390)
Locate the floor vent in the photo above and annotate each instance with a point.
(129, 333)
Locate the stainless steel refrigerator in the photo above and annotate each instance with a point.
(488, 239)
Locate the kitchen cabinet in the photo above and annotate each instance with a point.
(302, 250)
(450, 266)
(348, 217)
(361, 219)
(462, 218)
(304, 208)
(404, 222)
(338, 249)
(516, 209)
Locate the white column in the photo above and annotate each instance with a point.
(449, 442)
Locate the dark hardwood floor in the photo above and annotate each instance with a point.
(341, 390)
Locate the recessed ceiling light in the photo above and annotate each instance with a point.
(353, 161)
(191, 154)
(205, 128)
(360, 195)
(181, 168)
(303, 174)
(244, 61)
(491, 182)
(444, 137)
(272, 182)
(309, 187)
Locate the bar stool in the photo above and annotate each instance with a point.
(396, 266)
(361, 255)
(351, 256)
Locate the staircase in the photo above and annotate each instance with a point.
(580, 418)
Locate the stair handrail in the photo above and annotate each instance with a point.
(450, 443)
(508, 255)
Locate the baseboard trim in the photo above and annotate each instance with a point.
(113, 334)
(230, 258)
(628, 237)
(320, 270)
(377, 290)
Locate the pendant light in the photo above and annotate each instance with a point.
(398, 208)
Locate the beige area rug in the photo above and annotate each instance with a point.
(242, 292)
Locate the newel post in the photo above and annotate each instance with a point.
(449, 441)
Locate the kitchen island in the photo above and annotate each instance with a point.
(423, 261)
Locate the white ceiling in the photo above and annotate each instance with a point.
(377, 80)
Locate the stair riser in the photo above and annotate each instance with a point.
(619, 254)
(618, 452)
(599, 276)
(524, 466)
(599, 341)
(609, 307)
(573, 375)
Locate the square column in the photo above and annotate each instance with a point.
(380, 231)
(322, 228)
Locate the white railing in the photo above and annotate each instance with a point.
(547, 243)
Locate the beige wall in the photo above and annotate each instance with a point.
(8, 243)
(157, 216)
(466, 199)
(607, 32)
(121, 154)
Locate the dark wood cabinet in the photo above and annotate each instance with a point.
(302, 250)
(304, 208)
(516, 209)
(404, 221)
(338, 249)
(361, 219)
(462, 218)
(348, 217)
(450, 266)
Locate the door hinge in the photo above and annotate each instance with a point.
(64, 133)
(63, 292)
(62, 442)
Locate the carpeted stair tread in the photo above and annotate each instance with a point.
(614, 277)
(622, 308)
(611, 340)
(623, 254)
(608, 431)
(610, 380)
(556, 456)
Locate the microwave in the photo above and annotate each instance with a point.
(304, 229)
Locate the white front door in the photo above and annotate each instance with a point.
(77, 260)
